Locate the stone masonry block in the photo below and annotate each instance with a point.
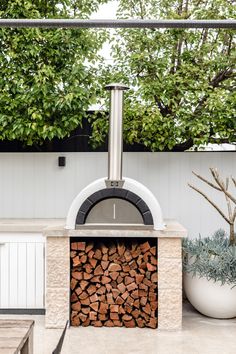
(169, 309)
(58, 247)
(169, 248)
(58, 272)
(169, 273)
(57, 307)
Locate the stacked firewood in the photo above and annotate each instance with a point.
(113, 284)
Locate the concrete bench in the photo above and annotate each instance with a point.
(16, 336)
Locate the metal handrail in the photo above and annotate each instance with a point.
(76, 23)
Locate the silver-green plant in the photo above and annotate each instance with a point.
(211, 257)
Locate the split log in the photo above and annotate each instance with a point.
(76, 261)
(76, 306)
(104, 264)
(94, 306)
(97, 323)
(85, 302)
(129, 324)
(93, 262)
(73, 283)
(89, 247)
(93, 298)
(73, 297)
(83, 284)
(98, 270)
(85, 310)
(98, 254)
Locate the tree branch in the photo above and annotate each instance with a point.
(233, 180)
(215, 41)
(206, 181)
(220, 77)
(223, 187)
(183, 146)
(220, 183)
(230, 45)
(234, 215)
(229, 209)
(163, 109)
(186, 7)
(180, 7)
(221, 141)
(212, 203)
(204, 37)
(179, 52)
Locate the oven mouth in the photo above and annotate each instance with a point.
(114, 207)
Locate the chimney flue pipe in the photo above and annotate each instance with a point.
(115, 145)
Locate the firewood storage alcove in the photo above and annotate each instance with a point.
(113, 282)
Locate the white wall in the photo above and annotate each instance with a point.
(33, 186)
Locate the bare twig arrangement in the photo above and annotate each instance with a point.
(221, 186)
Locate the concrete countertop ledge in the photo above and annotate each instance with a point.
(29, 225)
(55, 228)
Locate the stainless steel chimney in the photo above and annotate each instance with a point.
(115, 145)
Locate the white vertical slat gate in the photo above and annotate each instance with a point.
(22, 269)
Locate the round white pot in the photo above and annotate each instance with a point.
(210, 298)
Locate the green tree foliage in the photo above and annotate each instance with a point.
(183, 81)
(46, 75)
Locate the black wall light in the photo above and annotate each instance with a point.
(61, 161)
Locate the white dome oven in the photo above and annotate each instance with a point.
(115, 201)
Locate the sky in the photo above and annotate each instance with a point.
(106, 11)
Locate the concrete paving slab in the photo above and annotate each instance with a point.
(200, 335)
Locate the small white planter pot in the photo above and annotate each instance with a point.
(210, 298)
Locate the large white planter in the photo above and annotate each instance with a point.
(210, 298)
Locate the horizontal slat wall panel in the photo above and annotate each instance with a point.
(33, 186)
(22, 267)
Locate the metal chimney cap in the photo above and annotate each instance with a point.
(116, 86)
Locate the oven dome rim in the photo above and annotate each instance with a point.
(130, 184)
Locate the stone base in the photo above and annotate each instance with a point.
(169, 272)
(57, 282)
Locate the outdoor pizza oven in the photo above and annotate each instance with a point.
(115, 201)
(115, 262)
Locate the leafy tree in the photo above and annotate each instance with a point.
(46, 75)
(183, 81)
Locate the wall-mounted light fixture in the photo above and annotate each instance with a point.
(61, 161)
